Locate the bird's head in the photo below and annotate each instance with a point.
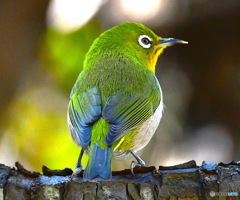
(134, 41)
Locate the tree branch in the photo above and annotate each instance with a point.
(185, 181)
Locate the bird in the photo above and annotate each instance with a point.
(116, 104)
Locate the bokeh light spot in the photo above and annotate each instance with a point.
(141, 10)
(68, 16)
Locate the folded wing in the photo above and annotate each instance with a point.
(84, 110)
(125, 113)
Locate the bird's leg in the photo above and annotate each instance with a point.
(79, 162)
(79, 166)
(139, 162)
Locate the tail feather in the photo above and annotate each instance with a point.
(99, 163)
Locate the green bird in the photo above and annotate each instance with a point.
(116, 103)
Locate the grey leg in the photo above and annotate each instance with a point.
(79, 162)
(139, 162)
(79, 166)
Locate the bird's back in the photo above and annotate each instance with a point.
(111, 75)
(115, 76)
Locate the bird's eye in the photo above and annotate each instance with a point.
(145, 41)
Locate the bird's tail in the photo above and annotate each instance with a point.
(99, 163)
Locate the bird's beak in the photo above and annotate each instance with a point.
(166, 42)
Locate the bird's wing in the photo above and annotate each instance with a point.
(125, 113)
(84, 109)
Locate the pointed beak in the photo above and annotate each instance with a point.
(166, 42)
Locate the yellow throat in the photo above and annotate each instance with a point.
(154, 57)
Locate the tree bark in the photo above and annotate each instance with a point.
(185, 181)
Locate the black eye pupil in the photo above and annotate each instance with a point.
(145, 41)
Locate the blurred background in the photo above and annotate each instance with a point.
(42, 48)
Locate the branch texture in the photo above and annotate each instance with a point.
(185, 181)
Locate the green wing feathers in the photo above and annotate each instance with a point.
(119, 109)
(125, 113)
(84, 110)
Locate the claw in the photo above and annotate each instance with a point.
(78, 167)
(139, 162)
(133, 165)
(76, 172)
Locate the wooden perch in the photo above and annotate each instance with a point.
(184, 181)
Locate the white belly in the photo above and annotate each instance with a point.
(148, 129)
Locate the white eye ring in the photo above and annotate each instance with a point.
(145, 41)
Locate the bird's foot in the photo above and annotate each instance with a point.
(79, 168)
(77, 172)
(139, 164)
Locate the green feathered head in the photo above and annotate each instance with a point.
(133, 41)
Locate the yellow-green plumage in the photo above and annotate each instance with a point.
(116, 104)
